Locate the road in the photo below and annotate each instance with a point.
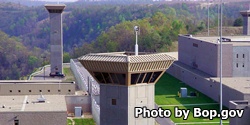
(40, 75)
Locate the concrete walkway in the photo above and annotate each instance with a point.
(192, 104)
(163, 121)
(72, 121)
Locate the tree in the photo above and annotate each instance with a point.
(238, 22)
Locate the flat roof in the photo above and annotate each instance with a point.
(234, 40)
(126, 57)
(33, 81)
(53, 103)
(241, 84)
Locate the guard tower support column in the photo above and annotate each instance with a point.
(246, 22)
(56, 37)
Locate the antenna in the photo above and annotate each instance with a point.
(137, 29)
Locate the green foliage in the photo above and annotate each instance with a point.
(15, 58)
(66, 57)
(238, 22)
(155, 32)
(84, 121)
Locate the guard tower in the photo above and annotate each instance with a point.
(56, 39)
(126, 81)
(246, 22)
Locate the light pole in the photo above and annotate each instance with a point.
(221, 60)
(208, 17)
(137, 29)
(44, 57)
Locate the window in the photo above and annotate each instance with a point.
(141, 78)
(10, 90)
(16, 122)
(195, 45)
(134, 78)
(48, 90)
(113, 101)
(121, 78)
(29, 90)
(40, 90)
(155, 76)
(99, 77)
(69, 90)
(236, 64)
(59, 90)
(237, 55)
(243, 65)
(243, 56)
(146, 79)
(106, 78)
(114, 78)
(19, 90)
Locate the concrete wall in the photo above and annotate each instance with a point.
(141, 96)
(95, 108)
(204, 84)
(78, 101)
(241, 64)
(204, 55)
(36, 88)
(246, 26)
(56, 44)
(34, 118)
(81, 75)
(127, 98)
(240, 104)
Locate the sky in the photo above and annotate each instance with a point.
(59, 0)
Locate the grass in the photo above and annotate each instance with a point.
(69, 75)
(84, 121)
(69, 122)
(166, 93)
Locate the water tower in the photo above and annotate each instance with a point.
(126, 81)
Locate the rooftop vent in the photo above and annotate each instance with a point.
(41, 99)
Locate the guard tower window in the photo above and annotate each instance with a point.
(141, 78)
(195, 45)
(10, 90)
(16, 122)
(113, 101)
(114, 78)
(19, 90)
(106, 78)
(99, 77)
(146, 80)
(243, 55)
(29, 90)
(237, 65)
(134, 78)
(48, 90)
(155, 76)
(40, 90)
(121, 78)
(237, 55)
